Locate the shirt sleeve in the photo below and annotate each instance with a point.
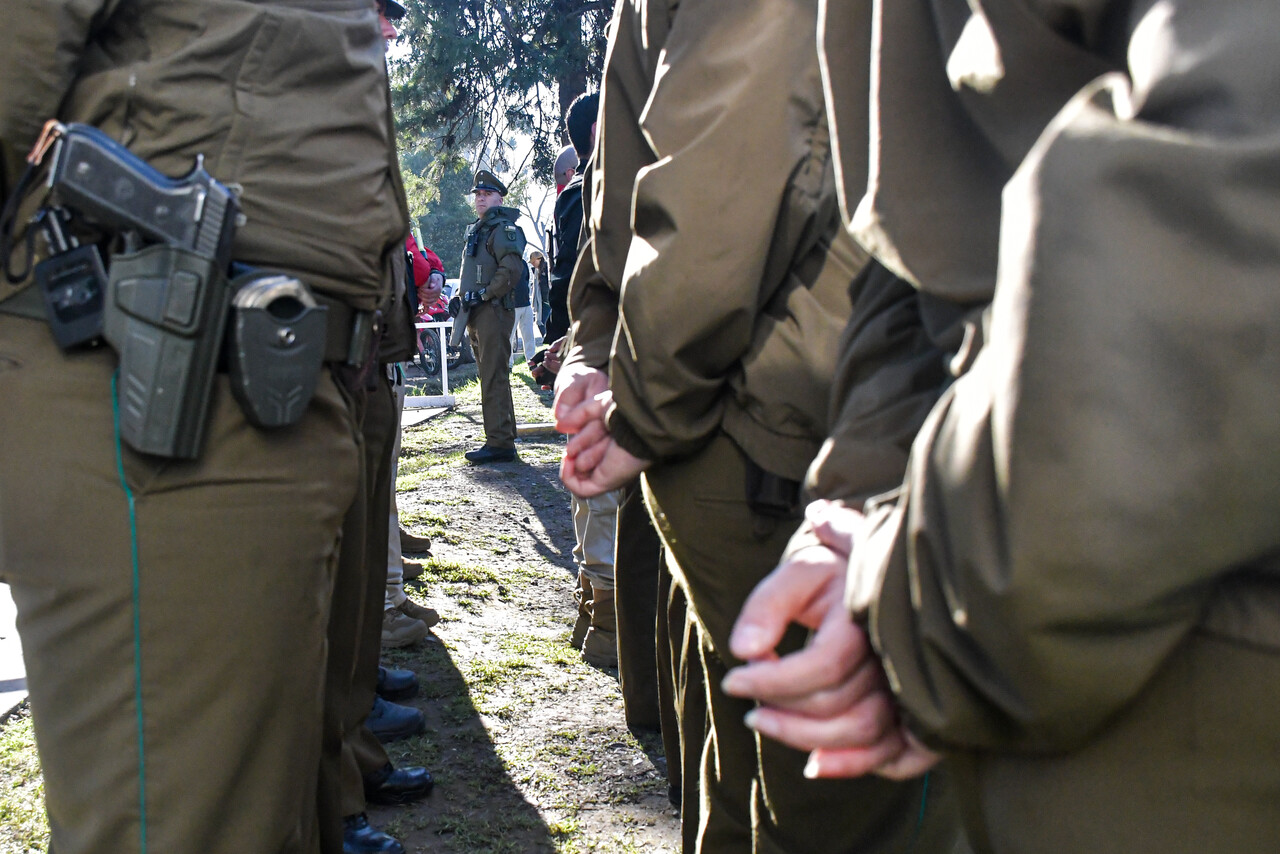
(639, 31)
(421, 267)
(511, 266)
(40, 54)
(42, 49)
(434, 263)
(1077, 502)
(593, 313)
(737, 130)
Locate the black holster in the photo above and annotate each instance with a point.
(164, 316)
(770, 495)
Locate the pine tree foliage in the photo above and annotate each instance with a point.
(469, 76)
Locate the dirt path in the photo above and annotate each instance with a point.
(527, 742)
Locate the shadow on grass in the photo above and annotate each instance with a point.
(476, 808)
(547, 397)
(549, 501)
(535, 491)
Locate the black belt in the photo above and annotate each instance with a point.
(348, 333)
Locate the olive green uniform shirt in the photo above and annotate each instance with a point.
(243, 100)
(497, 263)
(722, 281)
(736, 328)
(208, 688)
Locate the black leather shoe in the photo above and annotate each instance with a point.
(390, 722)
(488, 454)
(358, 837)
(398, 785)
(396, 684)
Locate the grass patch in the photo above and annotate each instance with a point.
(485, 674)
(540, 453)
(450, 501)
(23, 825)
(424, 518)
(465, 574)
(553, 650)
(490, 833)
(473, 581)
(423, 469)
(565, 827)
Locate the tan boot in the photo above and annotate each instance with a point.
(411, 569)
(399, 629)
(411, 543)
(428, 616)
(600, 646)
(582, 596)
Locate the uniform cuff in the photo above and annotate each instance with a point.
(626, 436)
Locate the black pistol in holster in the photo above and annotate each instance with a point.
(166, 294)
(165, 299)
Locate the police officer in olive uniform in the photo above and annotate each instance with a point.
(492, 265)
(1087, 624)
(175, 647)
(722, 400)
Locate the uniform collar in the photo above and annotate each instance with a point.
(500, 211)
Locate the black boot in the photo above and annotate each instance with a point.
(489, 454)
(390, 722)
(359, 837)
(394, 785)
(396, 684)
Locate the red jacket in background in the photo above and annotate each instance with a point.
(424, 263)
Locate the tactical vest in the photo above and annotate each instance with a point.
(488, 240)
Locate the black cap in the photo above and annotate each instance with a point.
(486, 180)
(393, 10)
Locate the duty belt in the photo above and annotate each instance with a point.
(348, 332)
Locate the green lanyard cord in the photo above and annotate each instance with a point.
(137, 620)
(924, 802)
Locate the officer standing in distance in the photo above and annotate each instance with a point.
(492, 265)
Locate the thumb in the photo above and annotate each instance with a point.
(835, 525)
(568, 395)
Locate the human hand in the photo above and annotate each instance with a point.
(830, 697)
(595, 463)
(431, 290)
(808, 589)
(587, 447)
(908, 758)
(471, 299)
(576, 389)
(553, 360)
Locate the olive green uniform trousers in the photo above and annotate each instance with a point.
(172, 613)
(363, 754)
(355, 625)
(683, 702)
(656, 645)
(755, 797)
(636, 568)
(489, 329)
